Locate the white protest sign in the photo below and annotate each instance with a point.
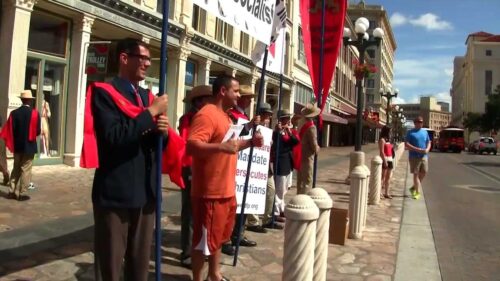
(257, 184)
(254, 17)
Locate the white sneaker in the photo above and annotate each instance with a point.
(31, 186)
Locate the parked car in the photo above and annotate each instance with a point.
(485, 144)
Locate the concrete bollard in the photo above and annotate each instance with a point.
(364, 196)
(356, 158)
(325, 204)
(358, 179)
(300, 235)
(375, 181)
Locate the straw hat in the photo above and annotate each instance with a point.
(197, 92)
(265, 108)
(284, 113)
(26, 94)
(246, 91)
(310, 110)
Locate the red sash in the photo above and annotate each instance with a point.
(8, 135)
(90, 158)
(237, 114)
(185, 122)
(304, 128)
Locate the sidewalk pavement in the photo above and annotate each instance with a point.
(50, 236)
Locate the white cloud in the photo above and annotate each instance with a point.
(443, 96)
(426, 76)
(428, 21)
(399, 100)
(398, 19)
(449, 72)
(431, 22)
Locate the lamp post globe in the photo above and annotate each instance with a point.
(361, 43)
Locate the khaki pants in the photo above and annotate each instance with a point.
(3, 159)
(21, 173)
(305, 177)
(270, 194)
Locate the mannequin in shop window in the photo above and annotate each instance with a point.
(45, 113)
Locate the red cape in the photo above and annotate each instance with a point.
(172, 155)
(8, 135)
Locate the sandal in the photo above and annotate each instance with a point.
(387, 196)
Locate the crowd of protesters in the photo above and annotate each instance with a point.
(122, 125)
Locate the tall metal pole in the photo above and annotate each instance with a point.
(159, 148)
(278, 139)
(250, 155)
(359, 110)
(320, 94)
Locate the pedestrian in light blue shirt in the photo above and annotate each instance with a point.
(419, 144)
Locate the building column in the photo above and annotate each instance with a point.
(77, 82)
(204, 72)
(326, 135)
(176, 87)
(14, 33)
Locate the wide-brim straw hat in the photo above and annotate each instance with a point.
(197, 92)
(310, 110)
(26, 94)
(284, 113)
(246, 91)
(265, 108)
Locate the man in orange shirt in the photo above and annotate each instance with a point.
(214, 170)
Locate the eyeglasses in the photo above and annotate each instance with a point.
(142, 58)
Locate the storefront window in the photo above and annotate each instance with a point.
(48, 34)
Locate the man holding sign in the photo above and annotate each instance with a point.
(214, 172)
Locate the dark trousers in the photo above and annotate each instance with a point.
(123, 236)
(186, 215)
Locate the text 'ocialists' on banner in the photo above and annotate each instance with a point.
(254, 17)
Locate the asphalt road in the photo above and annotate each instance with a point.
(462, 193)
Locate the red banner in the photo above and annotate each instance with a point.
(310, 11)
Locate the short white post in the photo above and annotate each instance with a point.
(300, 234)
(375, 181)
(358, 178)
(356, 158)
(365, 196)
(325, 204)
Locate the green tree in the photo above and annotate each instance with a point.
(473, 121)
(491, 117)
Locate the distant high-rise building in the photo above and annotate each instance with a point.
(445, 106)
(434, 116)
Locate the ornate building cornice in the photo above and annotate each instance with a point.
(136, 15)
(22, 4)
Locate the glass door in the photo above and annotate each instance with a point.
(46, 80)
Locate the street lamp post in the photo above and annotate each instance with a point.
(362, 42)
(389, 93)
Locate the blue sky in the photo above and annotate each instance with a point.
(429, 34)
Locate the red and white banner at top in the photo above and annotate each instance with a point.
(277, 48)
(254, 17)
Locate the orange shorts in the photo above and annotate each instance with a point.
(213, 222)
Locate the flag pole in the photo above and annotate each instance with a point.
(250, 155)
(159, 148)
(320, 87)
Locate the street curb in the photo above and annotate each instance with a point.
(417, 258)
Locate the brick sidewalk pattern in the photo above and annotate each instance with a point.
(50, 236)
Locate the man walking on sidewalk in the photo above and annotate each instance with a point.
(20, 132)
(419, 144)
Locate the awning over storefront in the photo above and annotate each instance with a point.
(334, 118)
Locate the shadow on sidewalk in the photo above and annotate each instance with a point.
(45, 251)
